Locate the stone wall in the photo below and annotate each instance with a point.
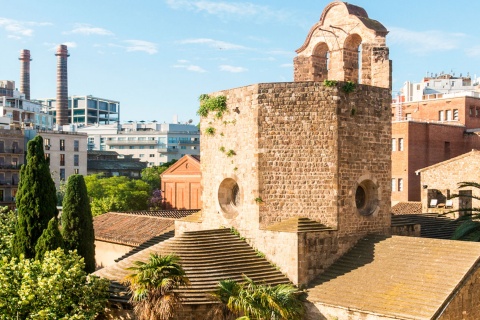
(442, 179)
(465, 304)
(298, 149)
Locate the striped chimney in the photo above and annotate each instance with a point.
(62, 85)
(25, 73)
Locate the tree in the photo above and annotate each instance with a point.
(56, 287)
(50, 240)
(469, 229)
(151, 175)
(257, 301)
(116, 194)
(77, 221)
(152, 285)
(8, 220)
(36, 199)
(156, 201)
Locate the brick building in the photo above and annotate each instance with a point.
(181, 184)
(436, 127)
(12, 156)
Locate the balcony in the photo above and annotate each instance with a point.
(10, 166)
(131, 142)
(13, 151)
(189, 143)
(7, 183)
(167, 150)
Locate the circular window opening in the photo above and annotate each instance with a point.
(366, 197)
(229, 197)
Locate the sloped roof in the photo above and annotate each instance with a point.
(407, 208)
(474, 153)
(129, 229)
(412, 276)
(207, 257)
(179, 166)
(117, 164)
(297, 224)
(432, 225)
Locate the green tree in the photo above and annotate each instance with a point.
(151, 175)
(152, 285)
(469, 229)
(77, 221)
(56, 287)
(50, 240)
(8, 220)
(249, 300)
(36, 199)
(116, 194)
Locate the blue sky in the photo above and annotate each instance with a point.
(156, 57)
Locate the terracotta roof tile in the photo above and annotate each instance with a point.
(407, 208)
(169, 214)
(129, 229)
(399, 290)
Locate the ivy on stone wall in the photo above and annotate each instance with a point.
(212, 104)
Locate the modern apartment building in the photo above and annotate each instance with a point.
(11, 158)
(432, 121)
(87, 110)
(154, 143)
(18, 112)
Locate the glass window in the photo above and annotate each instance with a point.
(152, 155)
(394, 144)
(141, 155)
(75, 145)
(455, 114)
(394, 184)
(76, 171)
(62, 145)
(449, 115)
(441, 115)
(76, 160)
(183, 147)
(62, 159)
(400, 184)
(408, 116)
(400, 144)
(62, 174)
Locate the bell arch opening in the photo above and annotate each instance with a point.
(320, 61)
(352, 58)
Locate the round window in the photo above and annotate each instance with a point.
(229, 197)
(366, 197)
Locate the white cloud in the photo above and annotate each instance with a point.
(423, 42)
(141, 45)
(70, 44)
(286, 65)
(18, 29)
(190, 67)
(214, 43)
(87, 30)
(223, 8)
(225, 67)
(182, 61)
(473, 51)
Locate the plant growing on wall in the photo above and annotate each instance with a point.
(222, 149)
(349, 86)
(212, 104)
(210, 131)
(258, 200)
(329, 83)
(230, 153)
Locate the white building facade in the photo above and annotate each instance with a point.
(154, 143)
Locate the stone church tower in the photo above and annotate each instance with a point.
(302, 169)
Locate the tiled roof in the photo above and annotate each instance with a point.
(432, 225)
(407, 208)
(169, 214)
(117, 164)
(298, 224)
(400, 277)
(129, 229)
(207, 256)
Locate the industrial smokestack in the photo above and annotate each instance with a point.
(62, 86)
(25, 73)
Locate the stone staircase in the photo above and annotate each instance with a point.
(147, 244)
(207, 256)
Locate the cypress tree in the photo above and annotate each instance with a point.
(51, 239)
(77, 221)
(36, 200)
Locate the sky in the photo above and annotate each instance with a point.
(158, 56)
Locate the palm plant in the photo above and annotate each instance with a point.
(250, 300)
(153, 285)
(470, 227)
